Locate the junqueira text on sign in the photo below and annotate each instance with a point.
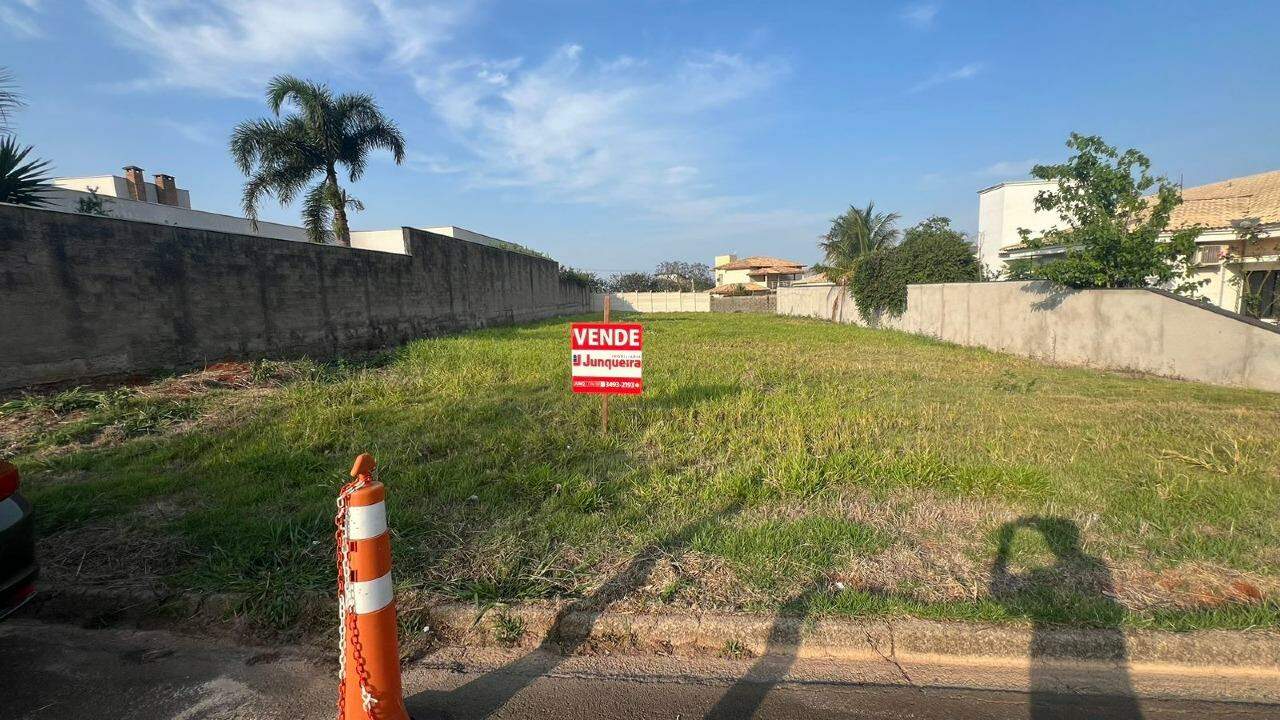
(606, 358)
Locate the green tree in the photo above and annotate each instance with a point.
(594, 282)
(22, 181)
(678, 276)
(283, 154)
(1114, 231)
(853, 236)
(931, 252)
(634, 282)
(93, 205)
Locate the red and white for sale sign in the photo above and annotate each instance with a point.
(606, 358)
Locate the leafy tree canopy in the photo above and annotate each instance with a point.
(931, 252)
(679, 276)
(634, 282)
(1112, 222)
(594, 282)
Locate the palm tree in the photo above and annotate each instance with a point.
(9, 98)
(282, 155)
(22, 182)
(852, 236)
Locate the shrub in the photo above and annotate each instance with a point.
(931, 252)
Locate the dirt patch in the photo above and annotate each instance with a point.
(130, 553)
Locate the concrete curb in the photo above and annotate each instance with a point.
(1239, 666)
(1235, 666)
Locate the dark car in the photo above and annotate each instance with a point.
(17, 543)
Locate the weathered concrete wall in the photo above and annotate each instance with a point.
(653, 302)
(1143, 330)
(83, 296)
(761, 304)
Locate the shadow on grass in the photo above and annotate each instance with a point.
(487, 694)
(1075, 583)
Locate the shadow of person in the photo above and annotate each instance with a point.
(747, 694)
(569, 631)
(1076, 586)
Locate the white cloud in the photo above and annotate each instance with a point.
(435, 164)
(612, 132)
(1008, 168)
(201, 133)
(964, 72)
(232, 47)
(920, 15)
(419, 29)
(21, 17)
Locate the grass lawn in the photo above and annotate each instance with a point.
(772, 462)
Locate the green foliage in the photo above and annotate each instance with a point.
(22, 181)
(508, 629)
(634, 282)
(281, 155)
(592, 281)
(679, 276)
(853, 236)
(670, 276)
(931, 252)
(93, 205)
(1113, 228)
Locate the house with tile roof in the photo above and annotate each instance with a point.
(755, 274)
(1242, 275)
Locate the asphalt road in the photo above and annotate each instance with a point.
(67, 673)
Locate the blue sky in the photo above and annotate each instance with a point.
(614, 135)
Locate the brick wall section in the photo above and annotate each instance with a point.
(761, 304)
(85, 296)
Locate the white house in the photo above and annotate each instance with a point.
(131, 197)
(755, 274)
(1234, 269)
(1004, 208)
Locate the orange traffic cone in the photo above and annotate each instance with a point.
(369, 666)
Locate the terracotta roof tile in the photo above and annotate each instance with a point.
(737, 287)
(758, 261)
(815, 279)
(1215, 205)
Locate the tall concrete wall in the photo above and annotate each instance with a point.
(1143, 330)
(653, 302)
(84, 296)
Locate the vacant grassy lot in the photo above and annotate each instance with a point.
(771, 462)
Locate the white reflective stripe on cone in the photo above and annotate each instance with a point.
(371, 595)
(366, 521)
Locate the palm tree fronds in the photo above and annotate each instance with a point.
(22, 182)
(283, 154)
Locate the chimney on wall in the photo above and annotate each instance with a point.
(137, 184)
(166, 190)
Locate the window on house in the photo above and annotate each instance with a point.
(1260, 299)
(1208, 254)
